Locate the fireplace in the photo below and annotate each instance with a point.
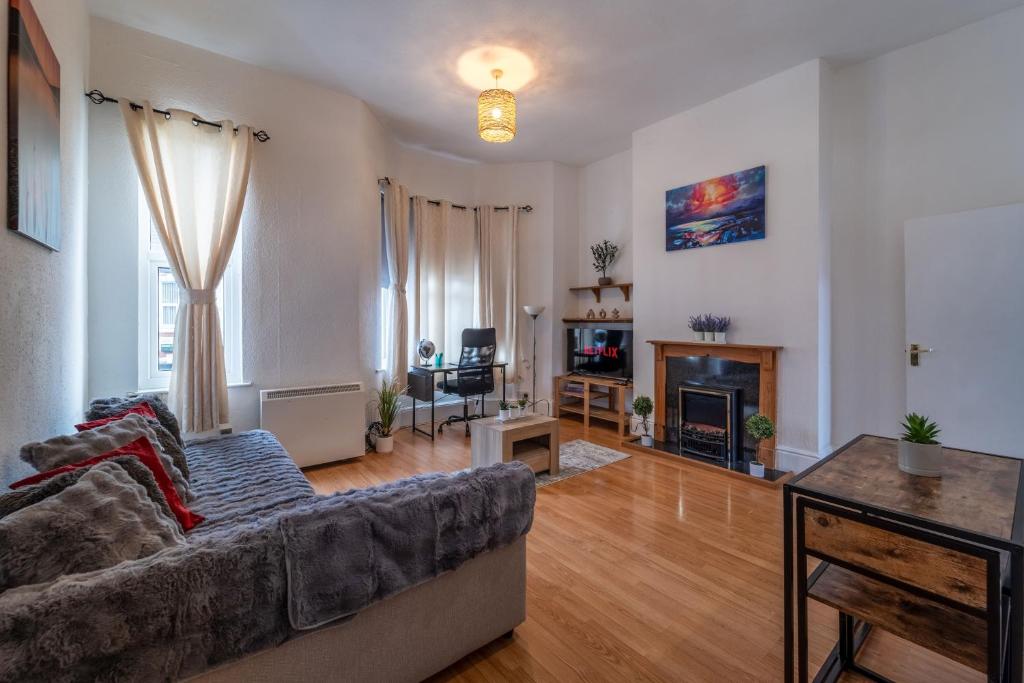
(710, 421)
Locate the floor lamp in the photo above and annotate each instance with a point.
(534, 312)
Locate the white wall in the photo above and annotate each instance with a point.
(930, 129)
(768, 287)
(310, 232)
(606, 212)
(42, 293)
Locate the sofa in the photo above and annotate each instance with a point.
(389, 583)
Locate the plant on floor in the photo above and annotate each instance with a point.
(386, 403)
(759, 427)
(604, 253)
(919, 429)
(643, 406)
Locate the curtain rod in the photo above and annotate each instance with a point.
(437, 202)
(97, 97)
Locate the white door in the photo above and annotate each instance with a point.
(965, 302)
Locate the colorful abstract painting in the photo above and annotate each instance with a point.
(721, 210)
(33, 128)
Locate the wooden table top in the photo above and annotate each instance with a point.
(506, 425)
(976, 493)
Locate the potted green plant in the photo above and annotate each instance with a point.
(386, 403)
(604, 253)
(523, 401)
(643, 407)
(504, 410)
(759, 427)
(919, 450)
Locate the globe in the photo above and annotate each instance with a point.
(425, 348)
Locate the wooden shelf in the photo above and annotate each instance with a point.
(597, 320)
(623, 287)
(931, 624)
(595, 411)
(583, 393)
(594, 393)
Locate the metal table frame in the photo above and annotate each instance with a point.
(1006, 640)
(444, 370)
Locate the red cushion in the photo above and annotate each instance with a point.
(143, 409)
(143, 450)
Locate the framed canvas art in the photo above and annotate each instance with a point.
(722, 210)
(33, 128)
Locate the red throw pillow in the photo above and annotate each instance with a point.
(143, 409)
(143, 450)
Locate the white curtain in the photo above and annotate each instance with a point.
(194, 178)
(430, 238)
(459, 276)
(396, 233)
(497, 300)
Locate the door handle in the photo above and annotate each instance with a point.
(915, 354)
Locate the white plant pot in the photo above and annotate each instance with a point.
(384, 444)
(757, 470)
(698, 336)
(922, 459)
(504, 414)
(719, 337)
(647, 440)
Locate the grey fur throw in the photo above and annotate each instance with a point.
(101, 520)
(30, 495)
(356, 548)
(72, 448)
(169, 445)
(105, 407)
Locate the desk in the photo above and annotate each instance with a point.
(937, 561)
(422, 386)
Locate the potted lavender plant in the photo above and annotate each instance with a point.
(696, 324)
(719, 327)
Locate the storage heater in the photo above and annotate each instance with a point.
(317, 424)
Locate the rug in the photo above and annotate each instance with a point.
(579, 456)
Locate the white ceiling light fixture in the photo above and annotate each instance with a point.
(496, 113)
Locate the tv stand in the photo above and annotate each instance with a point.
(577, 394)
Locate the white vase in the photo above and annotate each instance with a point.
(922, 459)
(757, 470)
(384, 444)
(503, 414)
(719, 337)
(647, 440)
(698, 336)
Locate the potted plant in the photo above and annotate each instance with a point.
(643, 406)
(759, 427)
(696, 324)
(920, 452)
(604, 253)
(523, 402)
(504, 411)
(719, 326)
(387, 397)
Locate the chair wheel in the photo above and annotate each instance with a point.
(440, 428)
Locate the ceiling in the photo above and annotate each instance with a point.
(603, 68)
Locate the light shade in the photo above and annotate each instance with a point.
(533, 310)
(496, 115)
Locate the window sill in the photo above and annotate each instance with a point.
(163, 390)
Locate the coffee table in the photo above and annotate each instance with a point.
(532, 439)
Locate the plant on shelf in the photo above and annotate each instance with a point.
(524, 401)
(604, 253)
(920, 451)
(718, 326)
(504, 408)
(386, 402)
(697, 324)
(760, 428)
(643, 406)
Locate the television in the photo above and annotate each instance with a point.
(600, 351)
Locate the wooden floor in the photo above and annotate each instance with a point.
(645, 570)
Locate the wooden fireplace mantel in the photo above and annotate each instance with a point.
(766, 357)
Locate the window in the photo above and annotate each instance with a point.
(158, 309)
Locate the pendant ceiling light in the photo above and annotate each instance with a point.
(496, 113)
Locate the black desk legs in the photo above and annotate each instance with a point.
(1015, 661)
(787, 573)
(415, 427)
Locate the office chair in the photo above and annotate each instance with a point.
(475, 374)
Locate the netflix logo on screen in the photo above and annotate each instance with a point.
(599, 351)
